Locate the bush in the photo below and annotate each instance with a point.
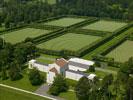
(15, 72)
(35, 77)
(59, 85)
(91, 69)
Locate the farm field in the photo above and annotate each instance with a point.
(21, 35)
(123, 52)
(103, 25)
(64, 22)
(108, 44)
(69, 41)
(10, 94)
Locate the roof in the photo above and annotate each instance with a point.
(76, 64)
(61, 62)
(32, 61)
(81, 61)
(54, 70)
(91, 76)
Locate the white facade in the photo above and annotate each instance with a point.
(40, 67)
(71, 69)
(50, 77)
(73, 76)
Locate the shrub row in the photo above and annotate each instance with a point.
(98, 43)
(108, 60)
(84, 50)
(90, 32)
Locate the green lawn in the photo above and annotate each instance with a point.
(69, 41)
(10, 94)
(68, 95)
(23, 83)
(102, 25)
(123, 52)
(48, 59)
(64, 22)
(21, 35)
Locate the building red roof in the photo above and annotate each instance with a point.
(54, 70)
(61, 62)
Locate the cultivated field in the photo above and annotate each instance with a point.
(69, 41)
(102, 25)
(21, 35)
(64, 22)
(123, 52)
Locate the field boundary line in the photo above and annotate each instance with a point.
(47, 97)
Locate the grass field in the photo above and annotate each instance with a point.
(10, 94)
(21, 35)
(48, 59)
(70, 95)
(69, 41)
(64, 22)
(108, 44)
(23, 83)
(102, 25)
(123, 52)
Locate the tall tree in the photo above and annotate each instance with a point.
(82, 89)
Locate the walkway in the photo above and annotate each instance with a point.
(45, 96)
(42, 90)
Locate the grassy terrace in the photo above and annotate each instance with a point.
(10, 94)
(23, 83)
(69, 41)
(48, 59)
(20, 35)
(102, 25)
(70, 95)
(123, 52)
(108, 44)
(64, 22)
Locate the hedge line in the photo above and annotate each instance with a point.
(59, 32)
(86, 49)
(109, 61)
(90, 32)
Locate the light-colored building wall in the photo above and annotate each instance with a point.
(40, 67)
(73, 76)
(50, 77)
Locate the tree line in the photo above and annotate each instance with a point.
(18, 12)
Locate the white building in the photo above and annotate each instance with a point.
(78, 64)
(72, 69)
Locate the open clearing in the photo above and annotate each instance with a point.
(21, 35)
(10, 94)
(123, 52)
(103, 25)
(69, 41)
(64, 22)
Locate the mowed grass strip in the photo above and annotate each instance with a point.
(64, 22)
(103, 25)
(123, 52)
(69, 41)
(21, 35)
(10, 94)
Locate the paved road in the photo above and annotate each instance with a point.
(106, 70)
(42, 90)
(45, 96)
